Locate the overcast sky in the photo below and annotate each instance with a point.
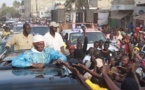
(8, 2)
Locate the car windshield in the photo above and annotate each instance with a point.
(2, 48)
(39, 30)
(17, 28)
(92, 37)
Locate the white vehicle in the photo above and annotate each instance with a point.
(92, 37)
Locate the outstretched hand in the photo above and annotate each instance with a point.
(79, 65)
(106, 67)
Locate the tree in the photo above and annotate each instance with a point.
(22, 3)
(10, 11)
(16, 4)
(4, 6)
(80, 4)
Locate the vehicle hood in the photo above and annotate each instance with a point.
(37, 80)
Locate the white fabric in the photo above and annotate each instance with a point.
(87, 61)
(38, 38)
(87, 58)
(53, 42)
(88, 75)
(34, 50)
(54, 24)
(99, 62)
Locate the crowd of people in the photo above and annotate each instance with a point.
(97, 68)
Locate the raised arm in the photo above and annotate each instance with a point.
(109, 82)
(54, 55)
(85, 41)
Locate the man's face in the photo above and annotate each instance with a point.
(96, 45)
(71, 51)
(79, 46)
(125, 62)
(101, 43)
(27, 29)
(53, 29)
(91, 51)
(106, 46)
(39, 46)
(79, 40)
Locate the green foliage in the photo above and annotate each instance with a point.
(11, 11)
(80, 4)
(16, 4)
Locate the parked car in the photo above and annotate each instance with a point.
(92, 37)
(35, 29)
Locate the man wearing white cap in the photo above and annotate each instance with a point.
(54, 39)
(38, 55)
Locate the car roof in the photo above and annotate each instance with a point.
(48, 78)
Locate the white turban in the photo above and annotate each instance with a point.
(38, 38)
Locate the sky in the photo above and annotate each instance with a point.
(8, 2)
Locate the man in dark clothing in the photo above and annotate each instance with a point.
(80, 51)
(106, 53)
(131, 27)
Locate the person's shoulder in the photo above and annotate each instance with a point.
(58, 34)
(28, 52)
(49, 49)
(30, 35)
(47, 34)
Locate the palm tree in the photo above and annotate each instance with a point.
(16, 4)
(4, 6)
(75, 5)
(80, 4)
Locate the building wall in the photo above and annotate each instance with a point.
(122, 5)
(139, 2)
(35, 7)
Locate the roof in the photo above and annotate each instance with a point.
(119, 14)
(48, 78)
(140, 17)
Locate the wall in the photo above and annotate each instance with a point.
(103, 18)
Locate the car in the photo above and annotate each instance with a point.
(51, 77)
(92, 35)
(35, 29)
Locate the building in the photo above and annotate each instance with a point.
(122, 5)
(121, 13)
(139, 2)
(39, 8)
(139, 12)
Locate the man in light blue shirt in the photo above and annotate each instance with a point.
(38, 56)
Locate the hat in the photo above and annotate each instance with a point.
(99, 62)
(54, 24)
(38, 38)
(72, 47)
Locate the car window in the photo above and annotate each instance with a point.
(2, 48)
(39, 30)
(17, 29)
(92, 37)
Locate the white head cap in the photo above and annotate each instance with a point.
(54, 24)
(38, 38)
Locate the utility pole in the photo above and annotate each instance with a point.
(36, 8)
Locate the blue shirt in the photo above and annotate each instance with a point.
(26, 59)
